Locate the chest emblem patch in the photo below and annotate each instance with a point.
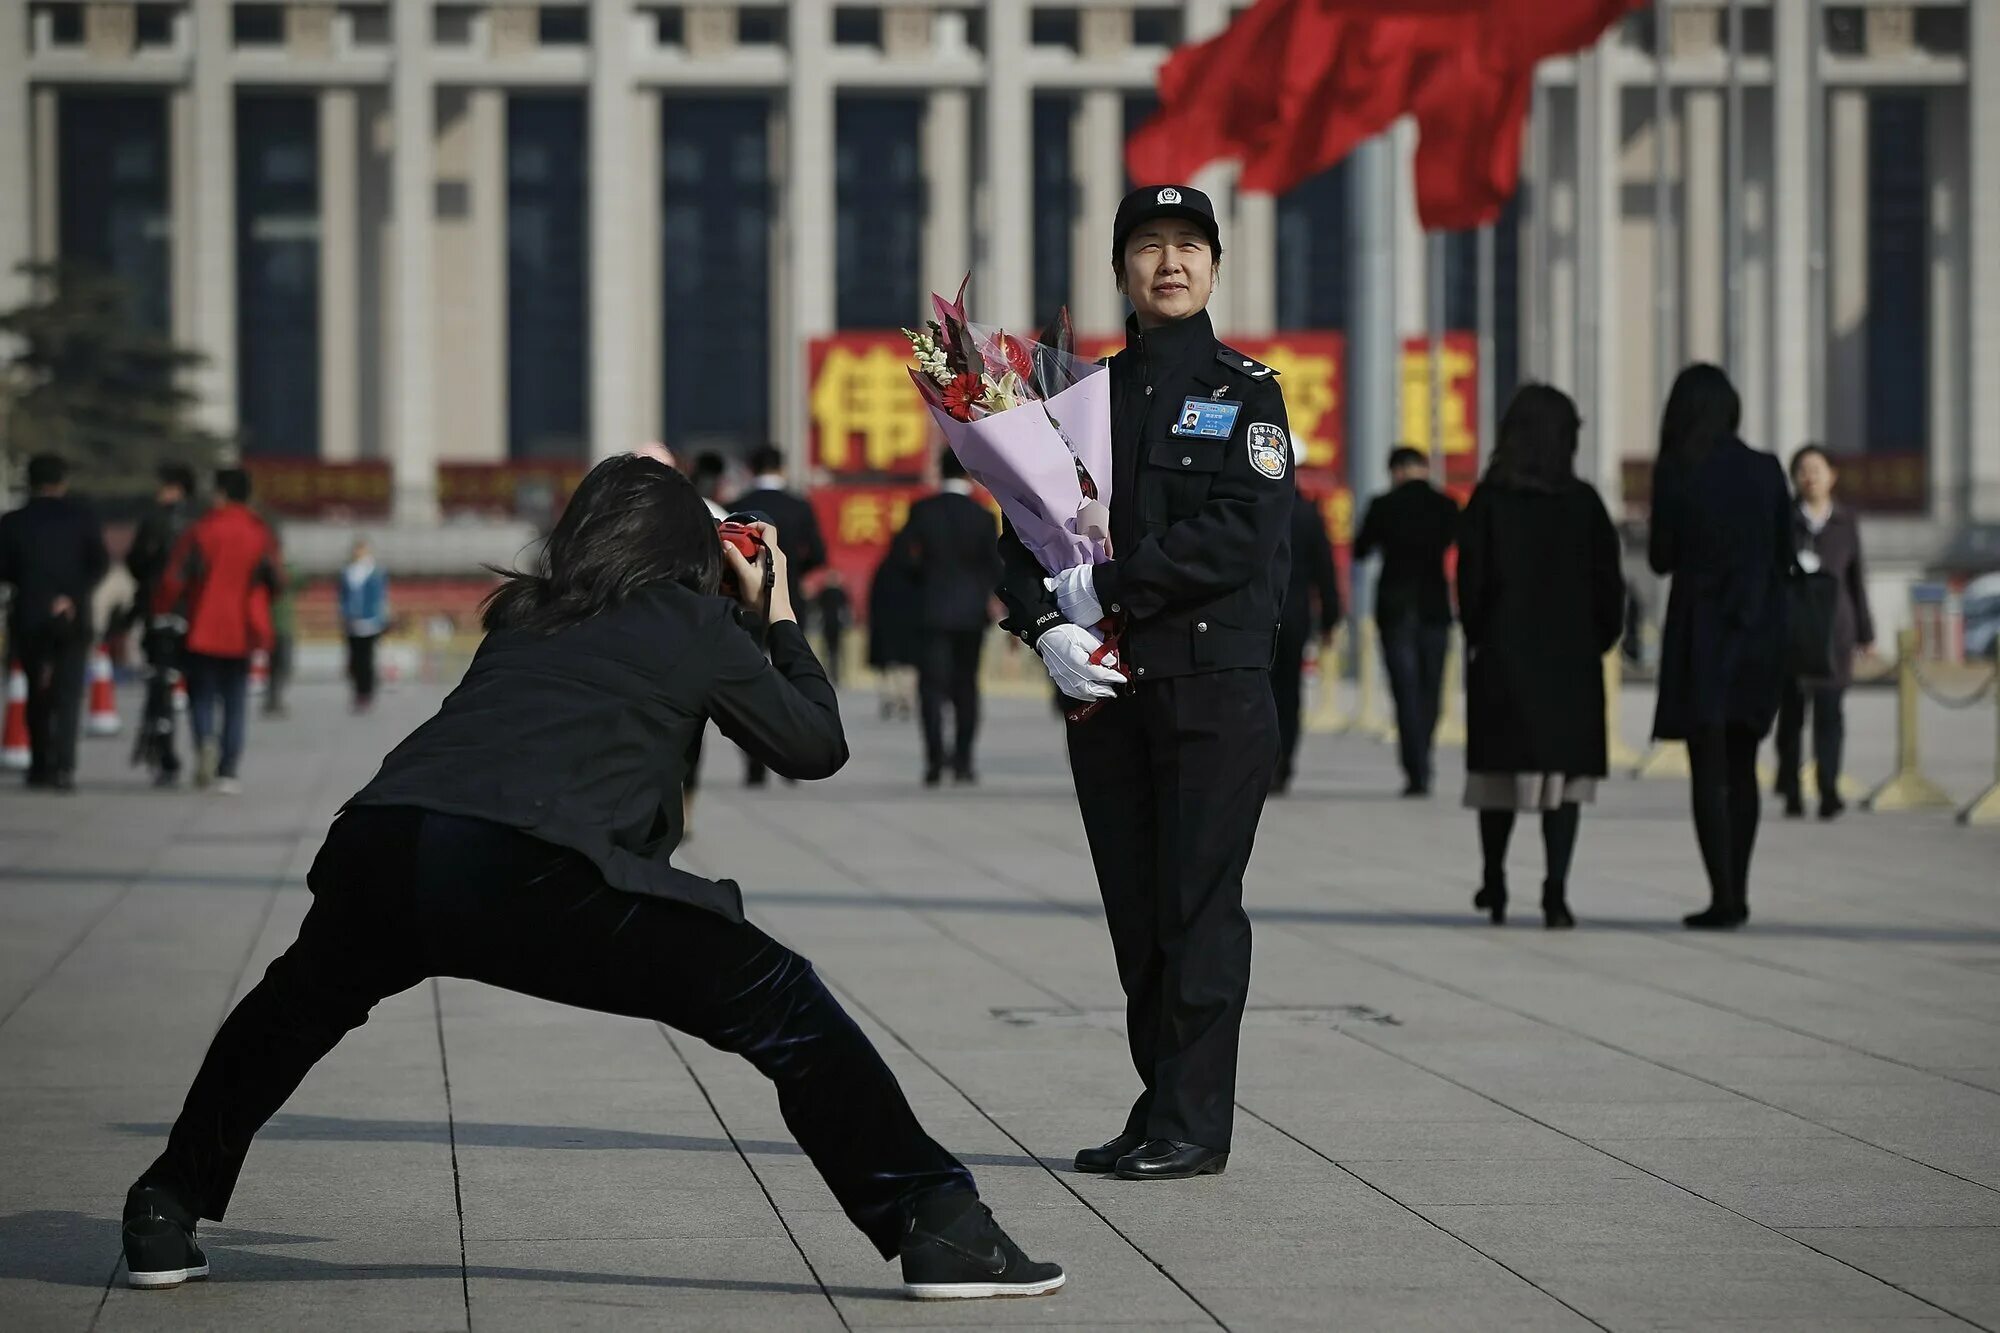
(1206, 419)
(1270, 451)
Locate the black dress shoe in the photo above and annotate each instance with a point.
(932, 776)
(1831, 807)
(1795, 807)
(159, 1241)
(1716, 918)
(1493, 901)
(954, 1250)
(1169, 1159)
(1102, 1161)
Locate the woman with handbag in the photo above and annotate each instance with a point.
(1722, 528)
(1828, 537)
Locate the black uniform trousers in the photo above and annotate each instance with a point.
(401, 895)
(1288, 689)
(950, 675)
(54, 664)
(1171, 780)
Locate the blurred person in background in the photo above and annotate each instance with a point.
(895, 630)
(1413, 525)
(1541, 597)
(1312, 608)
(1722, 528)
(364, 619)
(161, 636)
(524, 837)
(1828, 537)
(951, 542)
(52, 556)
(220, 580)
(798, 527)
(834, 610)
(707, 471)
(284, 640)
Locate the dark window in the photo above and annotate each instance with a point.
(1139, 108)
(1055, 203)
(1898, 325)
(258, 25)
(277, 274)
(760, 25)
(371, 24)
(548, 334)
(975, 28)
(670, 26)
(1756, 32)
(155, 25)
(857, 25)
(451, 25)
(1941, 32)
(1055, 27)
(879, 211)
(65, 24)
(1846, 30)
(1506, 305)
(716, 219)
(1156, 27)
(114, 212)
(562, 25)
(1313, 250)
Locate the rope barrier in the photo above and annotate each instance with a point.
(1959, 701)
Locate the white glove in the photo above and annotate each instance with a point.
(1076, 594)
(1066, 651)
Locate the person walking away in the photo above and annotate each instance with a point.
(524, 837)
(895, 629)
(1413, 525)
(834, 610)
(1541, 597)
(950, 541)
(792, 515)
(1828, 538)
(364, 618)
(220, 580)
(1312, 606)
(1171, 773)
(161, 636)
(52, 556)
(1722, 528)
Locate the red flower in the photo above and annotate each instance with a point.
(1017, 356)
(961, 394)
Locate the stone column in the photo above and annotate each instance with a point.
(1753, 375)
(1847, 271)
(1409, 267)
(339, 276)
(469, 276)
(1597, 312)
(809, 213)
(183, 187)
(947, 229)
(1794, 47)
(1704, 285)
(1252, 268)
(1008, 292)
(214, 234)
(644, 250)
(413, 450)
(614, 307)
(1562, 264)
(1983, 289)
(17, 222)
(1097, 156)
(47, 194)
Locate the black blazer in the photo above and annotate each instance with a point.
(1542, 598)
(1724, 532)
(1413, 526)
(51, 547)
(952, 545)
(798, 532)
(1314, 573)
(582, 738)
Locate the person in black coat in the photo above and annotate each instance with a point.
(1413, 525)
(1541, 597)
(524, 837)
(792, 515)
(950, 540)
(1312, 607)
(1722, 528)
(160, 635)
(52, 554)
(895, 627)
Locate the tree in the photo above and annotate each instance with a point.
(88, 383)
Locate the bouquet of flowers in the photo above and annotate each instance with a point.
(1031, 422)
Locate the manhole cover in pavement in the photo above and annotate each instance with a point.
(1256, 1015)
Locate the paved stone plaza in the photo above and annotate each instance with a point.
(1441, 1125)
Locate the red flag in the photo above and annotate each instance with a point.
(1215, 96)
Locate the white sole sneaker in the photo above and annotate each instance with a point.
(974, 1291)
(168, 1277)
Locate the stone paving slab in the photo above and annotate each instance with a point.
(1440, 1126)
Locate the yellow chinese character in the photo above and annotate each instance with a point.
(1311, 399)
(864, 521)
(867, 395)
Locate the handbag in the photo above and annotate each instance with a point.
(1810, 600)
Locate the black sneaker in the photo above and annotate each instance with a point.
(159, 1241)
(954, 1250)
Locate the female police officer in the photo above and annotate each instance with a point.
(1171, 775)
(522, 837)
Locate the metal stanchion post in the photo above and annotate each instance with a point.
(1327, 713)
(1907, 788)
(1617, 753)
(1451, 716)
(1985, 807)
(1370, 722)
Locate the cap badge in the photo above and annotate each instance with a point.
(1167, 196)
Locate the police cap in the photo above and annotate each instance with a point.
(1163, 201)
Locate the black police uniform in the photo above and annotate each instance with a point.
(1171, 775)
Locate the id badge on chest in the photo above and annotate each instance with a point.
(1206, 419)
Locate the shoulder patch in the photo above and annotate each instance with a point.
(1243, 365)
(1270, 451)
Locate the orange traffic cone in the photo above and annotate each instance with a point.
(103, 695)
(14, 742)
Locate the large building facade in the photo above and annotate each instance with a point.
(481, 232)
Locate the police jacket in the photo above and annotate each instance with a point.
(1201, 509)
(582, 738)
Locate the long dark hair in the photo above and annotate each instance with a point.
(1702, 412)
(634, 522)
(1538, 437)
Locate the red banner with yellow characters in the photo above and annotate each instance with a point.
(1455, 454)
(865, 420)
(858, 522)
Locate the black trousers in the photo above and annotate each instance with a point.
(1287, 674)
(361, 666)
(157, 723)
(949, 674)
(401, 895)
(1829, 733)
(1414, 653)
(1722, 762)
(54, 665)
(1171, 780)
(281, 674)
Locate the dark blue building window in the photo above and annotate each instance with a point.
(277, 274)
(1313, 252)
(548, 334)
(879, 207)
(1054, 204)
(114, 213)
(1898, 328)
(716, 234)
